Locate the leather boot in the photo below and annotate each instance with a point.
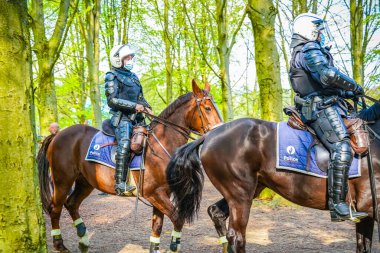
(338, 189)
(122, 187)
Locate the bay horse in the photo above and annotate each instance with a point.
(65, 155)
(240, 160)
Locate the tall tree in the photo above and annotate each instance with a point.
(22, 227)
(167, 37)
(90, 30)
(362, 27)
(226, 39)
(47, 52)
(168, 55)
(262, 14)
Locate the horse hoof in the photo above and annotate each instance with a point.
(58, 245)
(84, 243)
(83, 248)
(175, 249)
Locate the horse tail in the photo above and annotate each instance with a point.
(185, 179)
(43, 174)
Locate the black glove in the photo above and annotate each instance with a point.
(359, 91)
(347, 94)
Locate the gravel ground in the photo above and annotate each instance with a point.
(110, 221)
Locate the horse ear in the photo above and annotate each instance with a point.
(197, 91)
(207, 87)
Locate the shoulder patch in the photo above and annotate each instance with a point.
(109, 76)
(311, 46)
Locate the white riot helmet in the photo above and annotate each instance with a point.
(310, 25)
(118, 53)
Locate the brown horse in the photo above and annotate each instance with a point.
(240, 160)
(65, 155)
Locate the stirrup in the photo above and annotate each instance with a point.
(353, 216)
(124, 189)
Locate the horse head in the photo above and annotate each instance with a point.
(203, 115)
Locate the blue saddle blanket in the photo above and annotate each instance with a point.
(292, 145)
(100, 151)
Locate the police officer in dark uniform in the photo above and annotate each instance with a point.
(320, 89)
(125, 98)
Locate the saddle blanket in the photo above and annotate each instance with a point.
(292, 145)
(100, 152)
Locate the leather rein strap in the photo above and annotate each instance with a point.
(182, 130)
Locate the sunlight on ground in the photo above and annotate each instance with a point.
(209, 240)
(260, 235)
(133, 248)
(327, 238)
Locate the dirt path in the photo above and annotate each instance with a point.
(110, 222)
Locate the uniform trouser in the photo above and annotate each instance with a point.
(122, 133)
(332, 132)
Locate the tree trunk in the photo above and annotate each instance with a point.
(224, 59)
(47, 52)
(168, 57)
(22, 227)
(356, 29)
(262, 14)
(92, 56)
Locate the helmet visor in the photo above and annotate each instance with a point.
(323, 28)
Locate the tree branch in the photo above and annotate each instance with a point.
(233, 38)
(59, 28)
(197, 39)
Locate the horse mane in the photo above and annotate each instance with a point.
(175, 104)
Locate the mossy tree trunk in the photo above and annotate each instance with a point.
(168, 55)
(90, 30)
(22, 227)
(357, 49)
(262, 14)
(47, 52)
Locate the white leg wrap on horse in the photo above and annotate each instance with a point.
(176, 234)
(77, 222)
(55, 232)
(84, 240)
(223, 239)
(154, 239)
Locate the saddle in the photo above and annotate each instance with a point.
(358, 135)
(138, 135)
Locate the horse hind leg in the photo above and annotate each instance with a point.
(239, 215)
(219, 213)
(81, 191)
(364, 233)
(59, 198)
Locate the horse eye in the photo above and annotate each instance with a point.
(208, 108)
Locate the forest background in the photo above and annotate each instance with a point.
(240, 47)
(55, 54)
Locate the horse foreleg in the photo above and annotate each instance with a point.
(219, 213)
(157, 223)
(364, 232)
(81, 191)
(163, 206)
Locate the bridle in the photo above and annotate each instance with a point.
(199, 101)
(183, 130)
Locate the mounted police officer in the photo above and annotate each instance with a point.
(125, 98)
(321, 89)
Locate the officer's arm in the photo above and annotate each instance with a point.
(326, 75)
(111, 87)
(370, 114)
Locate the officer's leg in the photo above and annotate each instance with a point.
(332, 132)
(122, 133)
